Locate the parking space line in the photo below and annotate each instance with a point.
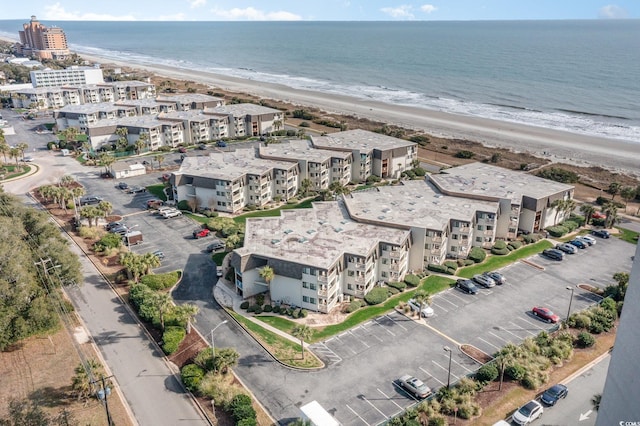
(404, 391)
(384, 328)
(499, 338)
(514, 335)
(490, 344)
(452, 293)
(396, 323)
(361, 341)
(390, 399)
(522, 328)
(440, 307)
(445, 369)
(461, 365)
(375, 408)
(430, 375)
(531, 323)
(357, 415)
(448, 301)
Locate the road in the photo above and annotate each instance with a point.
(576, 408)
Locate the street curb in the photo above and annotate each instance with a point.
(581, 371)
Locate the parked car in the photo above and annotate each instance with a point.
(165, 209)
(215, 245)
(529, 412)
(484, 280)
(172, 213)
(202, 147)
(427, 311)
(587, 239)
(182, 149)
(154, 203)
(219, 271)
(136, 189)
(111, 225)
(553, 254)
(200, 233)
(497, 277)
(545, 314)
(119, 230)
(579, 243)
(567, 248)
(467, 286)
(90, 199)
(553, 394)
(601, 233)
(598, 215)
(159, 254)
(27, 159)
(221, 144)
(415, 386)
(123, 186)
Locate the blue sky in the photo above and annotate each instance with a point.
(320, 10)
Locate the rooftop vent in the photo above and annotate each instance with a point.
(338, 229)
(381, 217)
(288, 231)
(386, 210)
(311, 231)
(344, 222)
(302, 240)
(275, 241)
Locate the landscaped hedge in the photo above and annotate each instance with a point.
(487, 373)
(192, 375)
(500, 248)
(108, 241)
(585, 340)
(477, 254)
(398, 285)
(160, 281)
(450, 264)
(570, 225)
(515, 245)
(440, 268)
(354, 306)
(465, 262)
(412, 280)
(242, 410)
(531, 238)
(171, 339)
(376, 296)
(245, 305)
(267, 308)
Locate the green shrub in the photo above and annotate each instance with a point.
(437, 268)
(609, 305)
(450, 264)
(412, 280)
(398, 285)
(464, 154)
(603, 317)
(477, 254)
(267, 308)
(108, 241)
(376, 296)
(192, 375)
(296, 313)
(558, 174)
(515, 372)
(596, 328)
(244, 305)
(580, 220)
(171, 339)
(579, 321)
(303, 313)
(354, 306)
(570, 225)
(585, 340)
(183, 205)
(247, 422)
(276, 309)
(436, 421)
(257, 310)
(392, 291)
(557, 231)
(160, 281)
(500, 252)
(500, 244)
(487, 373)
(529, 381)
(515, 244)
(241, 408)
(466, 262)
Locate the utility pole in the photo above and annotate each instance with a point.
(103, 395)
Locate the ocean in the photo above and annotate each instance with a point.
(577, 76)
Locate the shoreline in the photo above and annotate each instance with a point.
(555, 145)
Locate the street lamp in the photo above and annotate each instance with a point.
(448, 349)
(570, 300)
(213, 347)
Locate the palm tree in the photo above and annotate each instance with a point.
(71, 134)
(133, 263)
(422, 298)
(186, 314)
(160, 160)
(305, 186)
(91, 213)
(587, 210)
(122, 141)
(106, 160)
(302, 332)
(4, 148)
(105, 207)
(277, 124)
(503, 360)
(163, 303)
(568, 207)
(150, 261)
(267, 274)
(226, 358)
(139, 144)
(611, 210)
(22, 146)
(81, 383)
(558, 205)
(614, 189)
(627, 193)
(76, 193)
(65, 180)
(15, 154)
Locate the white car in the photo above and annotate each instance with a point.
(219, 271)
(529, 412)
(427, 311)
(587, 239)
(172, 213)
(415, 386)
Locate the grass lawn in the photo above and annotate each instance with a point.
(627, 235)
(198, 218)
(432, 284)
(219, 257)
(274, 212)
(282, 349)
(158, 191)
(496, 262)
(10, 171)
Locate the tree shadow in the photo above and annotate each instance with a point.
(51, 397)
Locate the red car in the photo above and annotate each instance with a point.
(545, 314)
(201, 233)
(598, 215)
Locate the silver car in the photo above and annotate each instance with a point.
(484, 280)
(497, 277)
(567, 248)
(415, 386)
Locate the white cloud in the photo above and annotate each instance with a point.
(177, 17)
(56, 12)
(612, 11)
(401, 12)
(252, 14)
(196, 3)
(428, 8)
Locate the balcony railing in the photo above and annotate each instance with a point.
(358, 266)
(322, 292)
(359, 293)
(490, 232)
(359, 278)
(436, 239)
(395, 254)
(394, 266)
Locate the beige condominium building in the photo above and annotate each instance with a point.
(42, 42)
(229, 181)
(199, 126)
(320, 256)
(373, 153)
(322, 167)
(249, 119)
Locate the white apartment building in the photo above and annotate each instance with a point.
(373, 153)
(71, 76)
(249, 119)
(322, 167)
(320, 257)
(192, 101)
(200, 126)
(230, 181)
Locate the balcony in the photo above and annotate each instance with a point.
(394, 266)
(465, 229)
(359, 293)
(359, 278)
(395, 254)
(322, 292)
(358, 266)
(323, 278)
(489, 233)
(436, 239)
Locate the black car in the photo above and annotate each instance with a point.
(467, 286)
(137, 189)
(601, 233)
(123, 186)
(553, 394)
(497, 277)
(216, 245)
(221, 144)
(85, 201)
(553, 254)
(111, 225)
(122, 229)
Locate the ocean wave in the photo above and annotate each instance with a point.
(573, 121)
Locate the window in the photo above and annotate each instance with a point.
(384, 274)
(454, 236)
(454, 249)
(312, 286)
(489, 228)
(312, 300)
(305, 299)
(351, 273)
(478, 239)
(480, 227)
(385, 261)
(349, 286)
(305, 284)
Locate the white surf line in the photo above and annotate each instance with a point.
(490, 344)
(499, 338)
(430, 375)
(374, 407)
(357, 415)
(522, 328)
(444, 369)
(390, 399)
